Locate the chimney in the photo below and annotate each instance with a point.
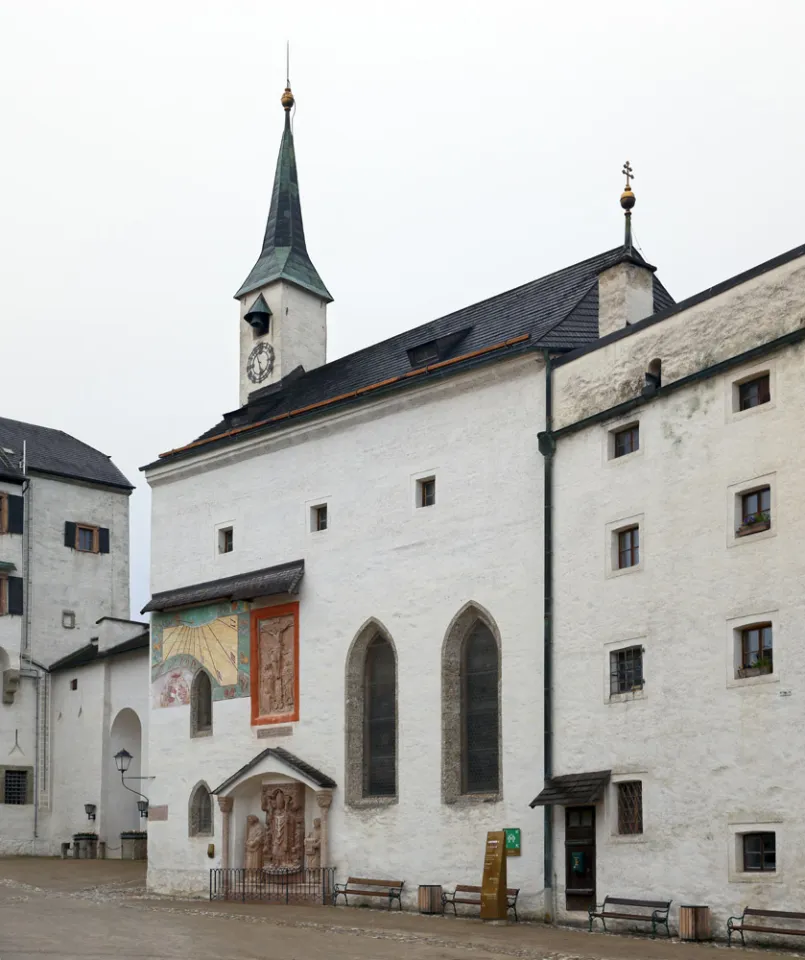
(625, 295)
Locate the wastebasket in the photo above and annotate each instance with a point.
(430, 898)
(694, 922)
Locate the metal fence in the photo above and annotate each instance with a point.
(285, 886)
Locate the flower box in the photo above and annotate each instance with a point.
(757, 526)
(746, 672)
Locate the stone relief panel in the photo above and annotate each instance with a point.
(284, 838)
(275, 657)
(215, 636)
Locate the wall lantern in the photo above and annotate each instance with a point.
(123, 761)
(89, 809)
(142, 806)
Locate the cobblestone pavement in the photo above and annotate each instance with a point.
(100, 910)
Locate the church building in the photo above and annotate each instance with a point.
(527, 566)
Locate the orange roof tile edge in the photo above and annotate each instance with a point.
(347, 396)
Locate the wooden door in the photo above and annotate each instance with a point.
(579, 858)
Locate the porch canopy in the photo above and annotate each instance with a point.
(573, 789)
(277, 760)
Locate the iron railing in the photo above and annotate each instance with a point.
(282, 886)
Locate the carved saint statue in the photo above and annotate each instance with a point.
(255, 840)
(313, 846)
(277, 666)
(283, 846)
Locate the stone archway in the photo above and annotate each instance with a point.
(121, 811)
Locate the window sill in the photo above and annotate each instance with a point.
(474, 799)
(200, 734)
(624, 571)
(638, 694)
(367, 803)
(752, 536)
(752, 528)
(628, 838)
(753, 681)
(755, 876)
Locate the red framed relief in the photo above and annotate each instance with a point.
(275, 664)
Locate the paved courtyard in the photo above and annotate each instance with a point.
(99, 910)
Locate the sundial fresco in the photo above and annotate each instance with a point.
(214, 638)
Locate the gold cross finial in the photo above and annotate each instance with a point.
(627, 172)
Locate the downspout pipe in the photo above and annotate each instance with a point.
(547, 447)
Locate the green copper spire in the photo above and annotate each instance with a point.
(284, 255)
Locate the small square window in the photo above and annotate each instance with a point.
(754, 392)
(15, 786)
(318, 517)
(68, 619)
(426, 492)
(630, 807)
(625, 670)
(760, 852)
(755, 512)
(226, 540)
(74, 684)
(628, 548)
(626, 441)
(86, 539)
(756, 655)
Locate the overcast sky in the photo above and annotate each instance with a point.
(447, 151)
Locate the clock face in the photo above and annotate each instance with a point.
(261, 362)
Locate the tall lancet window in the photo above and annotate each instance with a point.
(479, 712)
(380, 720)
(201, 705)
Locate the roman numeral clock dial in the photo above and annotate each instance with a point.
(260, 363)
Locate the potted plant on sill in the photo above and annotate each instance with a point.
(754, 523)
(761, 666)
(133, 845)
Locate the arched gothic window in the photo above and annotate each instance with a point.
(380, 720)
(200, 824)
(201, 705)
(471, 750)
(371, 718)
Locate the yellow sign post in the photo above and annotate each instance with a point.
(493, 888)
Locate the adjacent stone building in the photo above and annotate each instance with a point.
(540, 552)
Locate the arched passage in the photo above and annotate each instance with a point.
(121, 811)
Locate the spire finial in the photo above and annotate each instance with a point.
(627, 202)
(287, 97)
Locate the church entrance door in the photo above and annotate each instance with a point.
(579, 858)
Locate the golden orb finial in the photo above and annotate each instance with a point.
(287, 99)
(627, 197)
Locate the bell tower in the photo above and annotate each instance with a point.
(283, 301)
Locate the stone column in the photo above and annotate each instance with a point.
(324, 798)
(225, 806)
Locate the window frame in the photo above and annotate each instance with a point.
(3, 593)
(631, 430)
(764, 379)
(317, 513)
(761, 517)
(464, 679)
(95, 533)
(745, 651)
(198, 730)
(760, 835)
(194, 827)
(614, 672)
(426, 492)
(628, 546)
(366, 773)
(27, 773)
(3, 513)
(226, 538)
(629, 824)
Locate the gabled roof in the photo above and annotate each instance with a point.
(572, 789)
(58, 454)
(289, 760)
(558, 312)
(90, 654)
(284, 255)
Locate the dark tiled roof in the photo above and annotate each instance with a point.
(557, 312)
(89, 653)
(10, 467)
(574, 788)
(57, 453)
(270, 581)
(284, 254)
(290, 760)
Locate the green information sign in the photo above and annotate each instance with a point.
(512, 841)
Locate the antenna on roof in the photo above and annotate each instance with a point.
(627, 202)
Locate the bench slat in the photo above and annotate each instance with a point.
(759, 929)
(374, 883)
(785, 914)
(626, 902)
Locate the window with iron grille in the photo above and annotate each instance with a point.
(480, 712)
(629, 548)
(625, 670)
(754, 392)
(627, 440)
(380, 720)
(15, 786)
(760, 852)
(201, 812)
(756, 647)
(630, 807)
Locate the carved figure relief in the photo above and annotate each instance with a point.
(277, 658)
(255, 842)
(313, 846)
(283, 846)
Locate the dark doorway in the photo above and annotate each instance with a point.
(579, 858)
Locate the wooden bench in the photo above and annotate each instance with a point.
(361, 887)
(739, 924)
(465, 893)
(623, 908)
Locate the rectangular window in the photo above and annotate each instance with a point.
(754, 392)
(629, 548)
(627, 440)
(318, 517)
(226, 540)
(630, 807)
(15, 786)
(3, 594)
(11, 595)
(755, 511)
(426, 492)
(759, 852)
(86, 538)
(756, 648)
(626, 670)
(3, 513)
